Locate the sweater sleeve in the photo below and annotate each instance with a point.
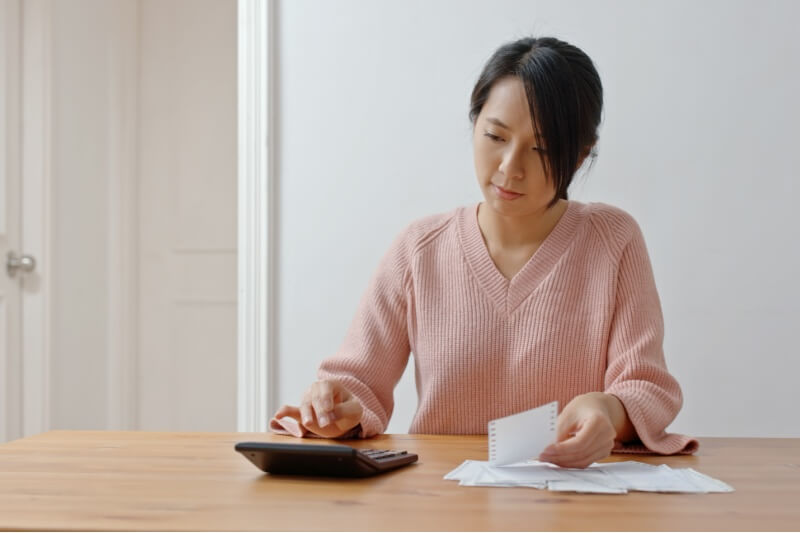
(375, 351)
(636, 372)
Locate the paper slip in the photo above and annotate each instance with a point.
(599, 478)
(522, 436)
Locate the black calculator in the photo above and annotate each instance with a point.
(322, 459)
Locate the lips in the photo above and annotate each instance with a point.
(504, 194)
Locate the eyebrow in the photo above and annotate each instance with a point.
(498, 122)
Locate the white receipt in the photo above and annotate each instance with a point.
(515, 441)
(522, 436)
(598, 478)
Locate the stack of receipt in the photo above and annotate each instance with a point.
(515, 438)
(603, 478)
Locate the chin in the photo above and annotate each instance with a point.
(503, 207)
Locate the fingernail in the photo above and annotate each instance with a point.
(323, 421)
(306, 421)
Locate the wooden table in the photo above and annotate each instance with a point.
(94, 480)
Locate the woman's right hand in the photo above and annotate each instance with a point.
(329, 409)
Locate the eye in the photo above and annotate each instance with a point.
(496, 138)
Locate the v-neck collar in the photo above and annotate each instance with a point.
(507, 294)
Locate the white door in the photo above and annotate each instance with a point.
(10, 195)
(129, 321)
(187, 216)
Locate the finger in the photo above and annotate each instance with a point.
(557, 453)
(579, 462)
(575, 444)
(600, 452)
(348, 414)
(599, 448)
(323, 402)
(340, 393)
(306, 412)
(337, 428)
(306, 415)
(583, 444)
(565, 429)
(566, 426)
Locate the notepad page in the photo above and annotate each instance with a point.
(523, 435)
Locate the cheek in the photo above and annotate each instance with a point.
(539, 166)
(485, 163)
(537, 174)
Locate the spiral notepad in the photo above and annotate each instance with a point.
(522, 436)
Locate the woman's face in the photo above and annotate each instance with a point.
(508, 162)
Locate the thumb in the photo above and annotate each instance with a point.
(348, 414)
(566, 426)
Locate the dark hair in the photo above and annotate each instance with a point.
(565, 98)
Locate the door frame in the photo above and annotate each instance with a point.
(256, 351)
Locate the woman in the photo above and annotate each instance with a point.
(520, 300)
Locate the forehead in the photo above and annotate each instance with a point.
(508, 102)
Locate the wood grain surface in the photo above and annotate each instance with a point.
(96, 480)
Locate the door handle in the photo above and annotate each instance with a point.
(26, 263)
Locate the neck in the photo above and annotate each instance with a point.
(521, 231)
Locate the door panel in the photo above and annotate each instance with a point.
(187, 216)
(165, 131)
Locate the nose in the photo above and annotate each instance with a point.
(512, 164)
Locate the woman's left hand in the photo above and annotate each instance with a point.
(585, 432)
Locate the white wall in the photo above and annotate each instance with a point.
(698, 143)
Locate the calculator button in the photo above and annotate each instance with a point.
(388, 454)
(373, 454)
(381, 456)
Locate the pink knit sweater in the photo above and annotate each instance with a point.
(582, 315)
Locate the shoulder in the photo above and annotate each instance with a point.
(423, 231)
(614, 226)
(414, 237)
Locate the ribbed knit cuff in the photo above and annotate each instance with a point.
(651, 440)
